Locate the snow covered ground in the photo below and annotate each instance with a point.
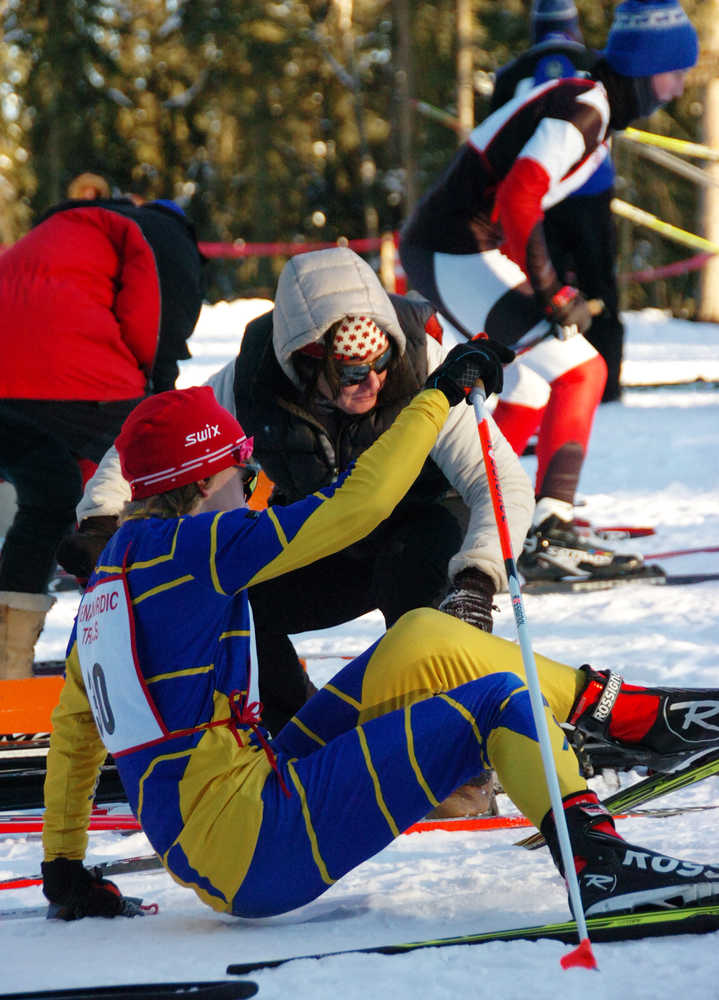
(652, 460)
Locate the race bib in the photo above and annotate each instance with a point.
(123, 710)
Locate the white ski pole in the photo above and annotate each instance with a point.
(582, 955)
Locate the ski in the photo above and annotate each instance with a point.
(16, 755)
(22, 788)
(106, 822)
(613, 532)
(21, 742)
(48, 668)
(214, 990)
(126, 822)
(661, 784)
(695, 383)
(624, 927)
(132, 907)
(126, 866)
(319, 913)
(653, 787)
(578, 586)
(674, 553)
(24, 913)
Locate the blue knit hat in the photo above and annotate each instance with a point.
(168, 203)
(554, 17)
(651, 36)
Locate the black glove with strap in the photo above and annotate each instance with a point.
(75, 891)
(466, 364)
(569, 313)
(79, 552)
(471, 598)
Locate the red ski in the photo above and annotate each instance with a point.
(614, 531)
(127, 822)
(672, 553)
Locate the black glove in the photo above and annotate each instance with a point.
(471, 598)
(465, 364)
(78, 553)
(569, 312)
(75, 891)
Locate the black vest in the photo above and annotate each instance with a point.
(296, 449)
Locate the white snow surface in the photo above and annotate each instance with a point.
(652, 460)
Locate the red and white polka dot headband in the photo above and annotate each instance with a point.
(357, 338)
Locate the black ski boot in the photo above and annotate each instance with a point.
(621, 726)
(617, 877)
(554, 551)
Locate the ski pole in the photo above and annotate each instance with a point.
(583, 954)
(596, 308)
(531, 339)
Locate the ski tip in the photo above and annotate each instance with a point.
(581, 958)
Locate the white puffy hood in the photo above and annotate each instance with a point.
(318, 288)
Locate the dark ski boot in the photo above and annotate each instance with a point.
(617, 877)
(621, 726)
(553, 550)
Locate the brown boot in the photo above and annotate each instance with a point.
(22, 617)
(476, 798)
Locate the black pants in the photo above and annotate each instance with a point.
(400, 566)
(40, 442)
(581, 237)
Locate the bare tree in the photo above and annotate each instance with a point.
(465, 68)
(709, 294)
(349, 75)
(404, 81)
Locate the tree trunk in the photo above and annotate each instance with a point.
(709, 294)
(368, 168)
(404, 80)
(53, 152)
(465, 69)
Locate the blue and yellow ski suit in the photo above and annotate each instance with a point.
(426, 708)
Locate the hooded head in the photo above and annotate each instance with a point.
(87, 186)
(318, 289)
(179, 437)
(554, 17)
(649, 37)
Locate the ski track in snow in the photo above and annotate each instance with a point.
(652, 460)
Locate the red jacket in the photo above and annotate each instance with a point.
(79, 309)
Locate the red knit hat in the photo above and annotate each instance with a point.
(178, 437)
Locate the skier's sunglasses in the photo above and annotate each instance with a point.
(354, 374)
(250, 477)
(249, 470)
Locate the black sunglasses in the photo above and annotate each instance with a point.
(250, 473)
(354, 374)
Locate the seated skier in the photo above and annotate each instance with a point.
(159, 674)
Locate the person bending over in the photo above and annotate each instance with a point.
(475, 246)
